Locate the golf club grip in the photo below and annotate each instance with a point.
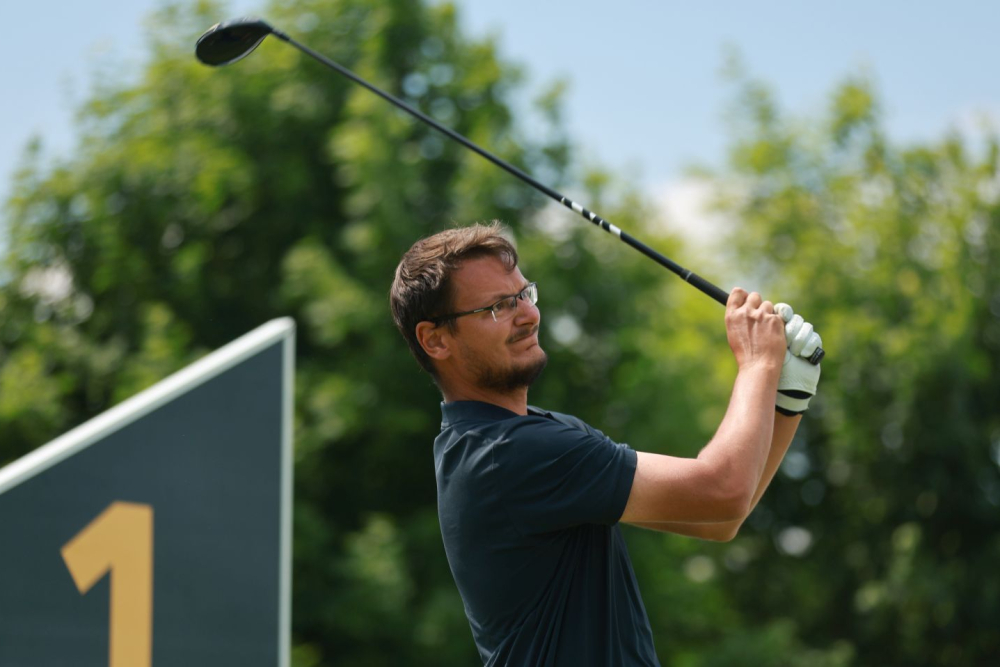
(688, 276)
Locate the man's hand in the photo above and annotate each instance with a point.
(799, 378)
(753, 330)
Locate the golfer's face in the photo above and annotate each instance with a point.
(494, 347)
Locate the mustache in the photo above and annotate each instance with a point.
(522, 333)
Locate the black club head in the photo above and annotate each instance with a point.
(228, 42)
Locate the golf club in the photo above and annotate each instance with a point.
(225, 43)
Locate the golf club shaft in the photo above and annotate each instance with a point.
(708, 288)
(687, 275)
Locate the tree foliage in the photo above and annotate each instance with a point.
(893, 251)
(202, 202)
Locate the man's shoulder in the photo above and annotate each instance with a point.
(564, 419)
(539, 428)
(536, 430)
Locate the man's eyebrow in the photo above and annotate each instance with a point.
(496, 296)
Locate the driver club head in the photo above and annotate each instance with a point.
(228, 42)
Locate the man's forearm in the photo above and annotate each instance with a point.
(784, 430)
(739, 449)
(716, 532)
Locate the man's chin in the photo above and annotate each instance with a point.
(520, 376)
(530, 372)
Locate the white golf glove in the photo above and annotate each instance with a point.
(799, 378)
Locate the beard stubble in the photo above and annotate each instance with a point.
(513, 377)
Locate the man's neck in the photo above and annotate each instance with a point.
(515, 401)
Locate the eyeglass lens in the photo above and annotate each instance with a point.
(506, 307)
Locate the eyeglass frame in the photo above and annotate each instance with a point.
(436, 321)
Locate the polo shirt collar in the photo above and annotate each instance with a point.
(459, 411)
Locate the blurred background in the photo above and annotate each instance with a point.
(844, 160)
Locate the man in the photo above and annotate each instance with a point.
(529, 500)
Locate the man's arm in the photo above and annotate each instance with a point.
(720, 483)
(784, 430)
(796, 386)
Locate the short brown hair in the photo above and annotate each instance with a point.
(422, 287)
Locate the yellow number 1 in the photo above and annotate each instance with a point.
(120, 541)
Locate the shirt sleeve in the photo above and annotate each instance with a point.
(555, 476)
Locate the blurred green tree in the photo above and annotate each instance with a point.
(202, 202)
(880, 534)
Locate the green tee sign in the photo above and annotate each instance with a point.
(159, 533)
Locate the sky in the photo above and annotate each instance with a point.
(646, 98)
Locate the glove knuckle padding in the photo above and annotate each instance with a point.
(792, 328)
(785, 311)
(813, 343)
(801, 336)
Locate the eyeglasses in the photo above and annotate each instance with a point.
(501, 310)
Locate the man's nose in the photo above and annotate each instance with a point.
(527, 310)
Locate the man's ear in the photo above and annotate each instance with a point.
(435, 340)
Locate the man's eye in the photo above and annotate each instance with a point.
(501, 306)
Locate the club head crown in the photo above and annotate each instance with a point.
(227, 42)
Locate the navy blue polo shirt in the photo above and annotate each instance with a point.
(529, 507)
